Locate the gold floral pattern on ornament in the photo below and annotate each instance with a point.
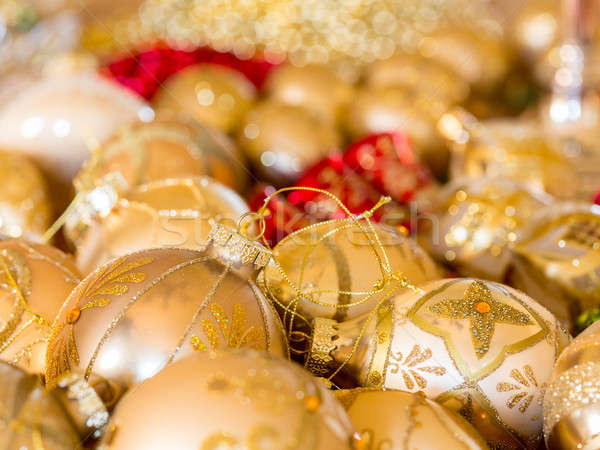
(525, 380)
(234, 333)
(409, 366)
(113, 280)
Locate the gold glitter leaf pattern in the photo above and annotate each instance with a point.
(233, 333)
(409, 366)
(525, 380)
(113, 279)
(483, 312)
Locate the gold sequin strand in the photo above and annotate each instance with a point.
(307, 31)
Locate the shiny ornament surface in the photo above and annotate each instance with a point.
(389, 164)
(168, 148)
(212, 94)
(173, 212)
(475, 223)
(35, 281)
(416, 72)
(333, 270)
(557, 260)
(397, 420)
(135, 314)
(477, 347)
(511, 149)
(572, 399)
(30, 417)
(282, 141)
(316, 88)
(333, 175)
(392, 109)
(25, 206)
(241, 399)
(56, 120)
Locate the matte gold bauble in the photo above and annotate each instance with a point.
(508, 148)
(241, 399)
(572, 399)
(32, 417)
(166, 213)
(418, 73)
(324, 264)
(379, 110)
(57, 119)
(170, 148)
(25, 208)
(212, 94)
(478, 58)
(282, 141)
(397, 420)
(35, 281)
(477, 347)
(475, 222)
(557, 260)
(316, 88)
(135, 314)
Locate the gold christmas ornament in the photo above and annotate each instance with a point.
(476, 221)
(316, 88)
(35, 281)
(282, 141)
(56, 120)
(164, 213)
(236, 399)
(340, 270)
(383, 109)
(135, 314)
(171, 148)
(572, 399)
(32, 417)
(557, 259)
(399, 420)
(418, 73)
(478, 57)
(508, 148)
(477, 347)
(25, 208)
(212, 94)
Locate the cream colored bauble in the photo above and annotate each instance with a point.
(398, 420)
(56, 120)
(477, 347)
(135, 314)
(174, 212)
(229, 400)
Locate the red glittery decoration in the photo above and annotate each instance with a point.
(145, 71)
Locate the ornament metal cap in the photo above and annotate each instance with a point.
(84, 405)
(236, 248)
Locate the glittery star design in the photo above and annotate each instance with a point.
(483, 311)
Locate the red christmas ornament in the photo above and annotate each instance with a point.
(282, 218)
(334, 175)
(387, 162)
(145, 71)
(597, 198)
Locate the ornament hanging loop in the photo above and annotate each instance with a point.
(246, 220)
